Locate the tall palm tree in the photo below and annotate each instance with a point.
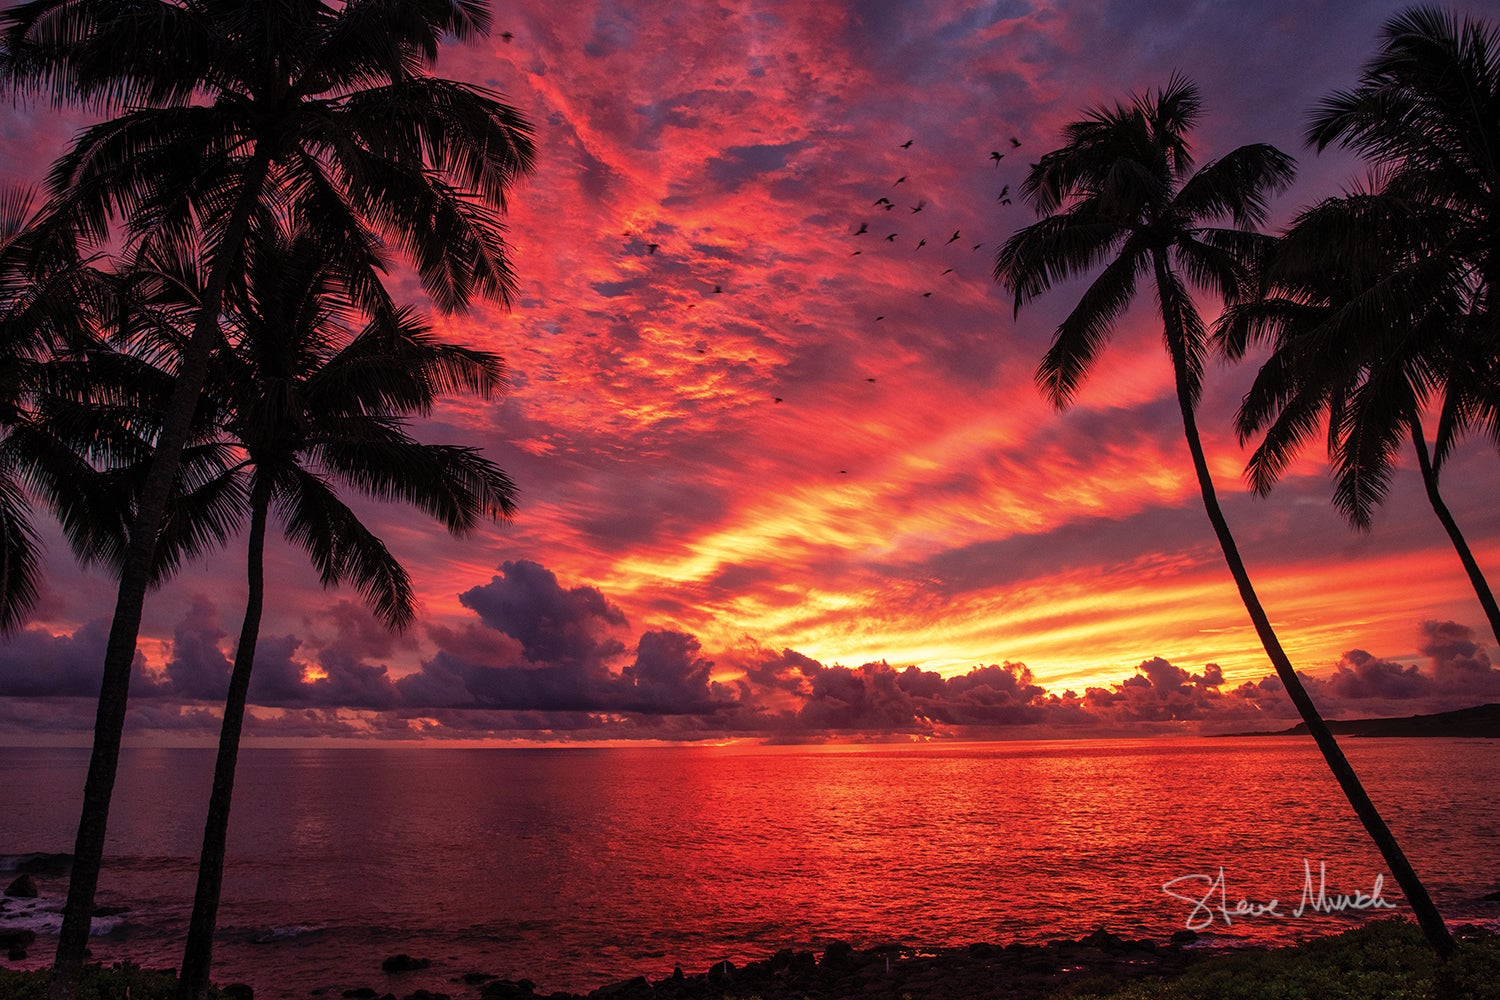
(1426, 114)
(308, 404)
(1122, 193)
(326, 111)
(49, 302)
(1362, 322)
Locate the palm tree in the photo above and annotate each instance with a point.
(1426, 114)
(308, 404)
(326, 111)
(1362, 321)
(1123, 193)
(49, 300)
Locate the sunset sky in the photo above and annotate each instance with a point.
(782, 480)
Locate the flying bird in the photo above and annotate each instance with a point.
(976, 247)
(953, 238)
(651, 247)
(900, 180)
(776, 399)
(997, 156)
(506, 37)
(878, 201)
(718, 289)
(1015, 143)
(878, 318)
(907, 144)
(1004, 191)
(864, 227)
(921, 244)
(869, 380)
(949, 271)
(856, 253)
(919, 206)
(926, 295)
(891, 238)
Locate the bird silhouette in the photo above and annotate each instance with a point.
(919, 206)
(891, 238)
(864, 227)
(878, 318)
(506, 37)
(997, 156)
(949, 271)
(953, 238)
(907, 144)
(1004, 191)
(1005, 201)
(1015, 143)
(718, 289)
(651, 247)
(869, 380)
(900, 180)
(926, 295)
(878, 201)
(921, 244)
(856, 253)
(776, 399)
(976, 247)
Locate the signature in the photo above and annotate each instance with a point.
(1213, 903)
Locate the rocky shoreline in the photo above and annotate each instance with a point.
(841, 972)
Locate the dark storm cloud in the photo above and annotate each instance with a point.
(198, 669)
(553, 625)
(36, 663)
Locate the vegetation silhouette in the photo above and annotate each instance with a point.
(1382, 300)
(309, 403)
(1122, 193)
(323, 113)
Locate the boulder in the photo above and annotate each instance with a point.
(24, 887)
(837, 955)
(1491, 897)
(1184, 937)
(363, 993)
(507, 989)
(475, 978)
(18, 937)
(16, 954)
(1103, 940)
(634, 987)
(720, 972)
(237, 991)
(404, 963)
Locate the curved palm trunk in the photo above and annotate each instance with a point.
(1461, 546)
(1426, 912)
(135, 578)
(197, 956)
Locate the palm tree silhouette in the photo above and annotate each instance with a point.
(1362, 321)
(1122, 192)
(310, 404)
(332, 107)
(49, 301)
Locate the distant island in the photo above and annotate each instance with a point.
(1481, 721)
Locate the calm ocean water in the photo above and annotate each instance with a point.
(578, 867)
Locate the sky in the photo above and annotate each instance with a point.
(781, 479)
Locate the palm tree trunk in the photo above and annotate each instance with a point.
(135, 578)
(1426, 912)
(197, 957)
(1476, 576)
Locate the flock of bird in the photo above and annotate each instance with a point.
(886, 203)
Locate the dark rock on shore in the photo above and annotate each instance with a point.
(507, 989)
(24, 887)
(18, 937)
(405, 963)
(237, 991)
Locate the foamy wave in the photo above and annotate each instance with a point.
(288, 933)
(44, 916)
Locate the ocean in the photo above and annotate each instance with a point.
(577, 867)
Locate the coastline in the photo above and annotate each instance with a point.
(1380, 958)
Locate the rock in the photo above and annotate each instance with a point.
(803, 962)
(720, 972)
(237, 991)
(677, 975)
(17, 938)
(837, 955)
(24, 887)
(404, 963)
(634, 987)
(425, 995)
(1184, 937)
(1491, 897)
(475, 978)
(16, 954)
(1103, 940)
(507, 989)
(363, 993)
